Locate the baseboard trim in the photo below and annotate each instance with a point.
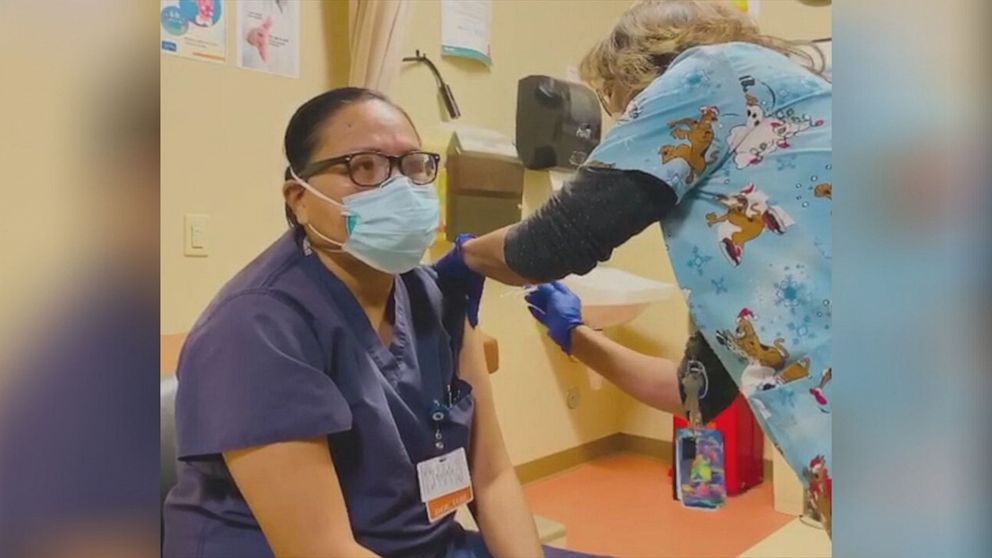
(614, 443)
(572, 457)
(642, 445)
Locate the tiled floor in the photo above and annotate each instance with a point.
(796, 540)
(622, 506)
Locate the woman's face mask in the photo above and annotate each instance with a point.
(389, 228)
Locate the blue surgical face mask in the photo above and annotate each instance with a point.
(389, 228)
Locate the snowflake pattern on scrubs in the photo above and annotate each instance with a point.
(750, 238)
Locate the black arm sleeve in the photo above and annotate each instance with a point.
(595, 212)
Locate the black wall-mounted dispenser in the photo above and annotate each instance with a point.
(558, 122)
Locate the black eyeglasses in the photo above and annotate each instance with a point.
(371, 169)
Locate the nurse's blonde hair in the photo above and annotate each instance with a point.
(652, 33)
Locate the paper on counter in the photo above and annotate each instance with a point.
(473, 139)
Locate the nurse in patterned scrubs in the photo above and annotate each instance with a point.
(724, 138)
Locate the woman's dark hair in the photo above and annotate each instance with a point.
(302, 133)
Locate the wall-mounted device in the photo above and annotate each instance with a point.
(558, 123)
(443, 88)
(485, 182)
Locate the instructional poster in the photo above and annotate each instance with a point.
(466, 27)
(269, 36)
(194, 29)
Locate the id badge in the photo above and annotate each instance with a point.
(699, 471)
(445, 484)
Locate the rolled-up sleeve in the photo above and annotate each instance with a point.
(253, 373)
(596, 211)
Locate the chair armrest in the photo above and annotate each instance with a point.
(491, 347)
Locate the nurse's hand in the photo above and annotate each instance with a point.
(559, 309)
(457, 280)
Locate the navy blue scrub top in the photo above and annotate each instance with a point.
(285, 352)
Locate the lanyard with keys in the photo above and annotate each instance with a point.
(699, 459)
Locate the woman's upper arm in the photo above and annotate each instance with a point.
(293, 492)
(252, 374)
(488, 450)
(252, 388)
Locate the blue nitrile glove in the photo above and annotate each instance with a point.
(555, 306)
(457, 280)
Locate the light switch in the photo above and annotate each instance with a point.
(196, 235)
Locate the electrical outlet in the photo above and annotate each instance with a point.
(196, 240)
(572, 398)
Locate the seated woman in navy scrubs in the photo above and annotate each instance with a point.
(325, 371)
